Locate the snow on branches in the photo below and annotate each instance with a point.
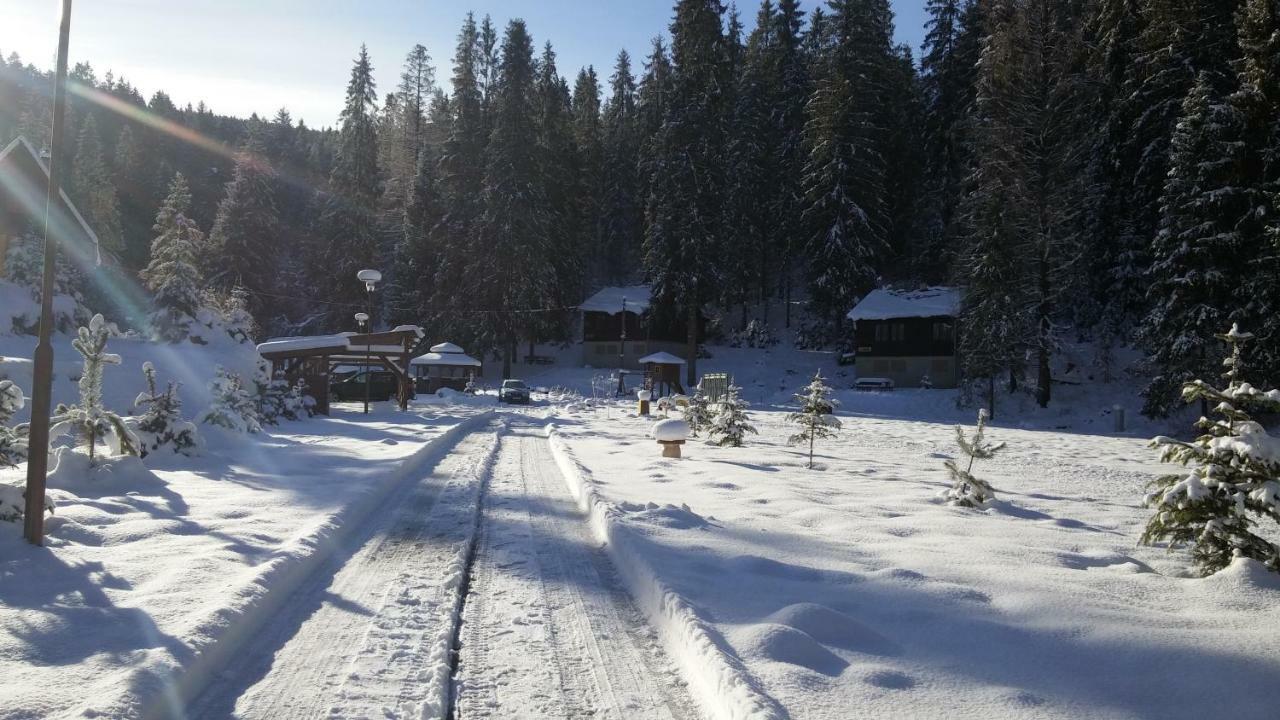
(13, 442)
(1233, 479)
(90, 420)
(161, 425)
(697, 413)
(232, 405)
(731, 423)
(816, 416)
(967, 490)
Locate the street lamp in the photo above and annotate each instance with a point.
(370, 278)
(42, 362)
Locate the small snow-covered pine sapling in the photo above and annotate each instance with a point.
(470, 387)
(161, 424)
(272, 390)
(967, 490)
(296, 406)
(231, 404)
(816, 416)
(1233, 477)
(731, 424)
(13, 441)
(698, 412)
(90, 420)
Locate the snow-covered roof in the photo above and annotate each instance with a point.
(446, 347)
(298, 344)
(449, 358)
(885, 304)
(409, 328)
(662, 358)
(610, 300)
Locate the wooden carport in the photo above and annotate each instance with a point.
(311, 359)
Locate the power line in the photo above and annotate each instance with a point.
(473, 311)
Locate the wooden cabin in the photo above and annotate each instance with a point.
(24, 183)
(446, 365)
(908, 336)
(620, 326)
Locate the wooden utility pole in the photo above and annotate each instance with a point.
(42, 381)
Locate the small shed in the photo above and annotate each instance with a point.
(24, 181)
(662, 372)
(445, 365)
(908, 336)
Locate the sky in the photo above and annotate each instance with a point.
(246, 56)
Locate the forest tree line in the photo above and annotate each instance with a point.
(1105, 168)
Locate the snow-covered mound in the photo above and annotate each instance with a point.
(671, 430)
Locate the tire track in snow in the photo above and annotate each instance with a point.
(548, 632)
(368, 635)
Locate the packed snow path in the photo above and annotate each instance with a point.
(367, 635)
(547, 631)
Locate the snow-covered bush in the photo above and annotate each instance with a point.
(13, 503)
(470, 387)
(24, 267)
(297, 403)
(232, 405)
(755, 335)
(967, 490)
(90, 420)
(816, 416)
(11, 400)
(161, 425)
(1234, 476)
(731, 424)
(13, 442)
(698, 412)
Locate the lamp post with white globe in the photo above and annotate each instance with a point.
(370, 278)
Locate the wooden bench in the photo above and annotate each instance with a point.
(873, 384)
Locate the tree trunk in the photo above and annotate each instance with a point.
(991, 397)
(786, 299)
(1043, 378)
(506, 358)
(692, 367)
(811, 434)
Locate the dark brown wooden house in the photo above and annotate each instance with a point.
(908, 336)
(620, 326)
(24, 181)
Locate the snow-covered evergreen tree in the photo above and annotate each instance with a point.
(698, 411)
(967, 490)
(816, 416)
(161, 425)
(1197, 252)
(1233, 477)
(93, 190)
(173, 274)
(13, 444)
(90, 420)
(273, 392)
(246, 229)
(297, 403)
(231, 405)
(731, 424)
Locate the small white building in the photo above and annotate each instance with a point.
(445, 365)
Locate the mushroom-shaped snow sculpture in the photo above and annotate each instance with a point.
(671, 434)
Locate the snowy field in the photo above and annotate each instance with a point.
(547, 562)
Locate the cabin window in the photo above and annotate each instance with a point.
(891, 332)
(943, 332)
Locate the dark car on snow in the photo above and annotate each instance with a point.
(514, 391)
(382, 386)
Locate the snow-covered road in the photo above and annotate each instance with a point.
(547, 630)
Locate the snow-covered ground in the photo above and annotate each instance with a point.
(322, 568)
(853, 587)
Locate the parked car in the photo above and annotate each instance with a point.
(382, 386)
(514, 391)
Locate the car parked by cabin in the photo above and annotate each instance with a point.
(514, 391)
(382, 386)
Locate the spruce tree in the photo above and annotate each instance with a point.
(588, 137)
(845, 213)
(684, 229)
(967, 490)
(816, 417)
(173, 275)
(622, 216)
(161, 425)
(346, 226)
(511, 253)
(231, 404)
(698, 411)
(90, 420)
(13, 441)
(93, 191)
(1197, 253)
(1234, 478)
(731, 425)
(246, 231)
